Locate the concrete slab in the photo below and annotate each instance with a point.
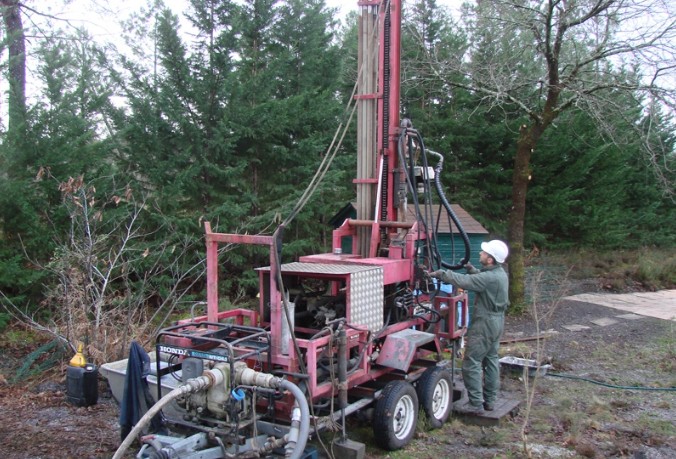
(629, 316)
(575, 327)
(603, 321)
(661, 304)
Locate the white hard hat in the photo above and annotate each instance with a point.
(496, 249)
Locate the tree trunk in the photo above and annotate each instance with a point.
(11, 15)
(528, 137)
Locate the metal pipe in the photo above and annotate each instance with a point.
(342, 375)
(342, 369)
(366, 122)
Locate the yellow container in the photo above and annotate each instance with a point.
(78, 359)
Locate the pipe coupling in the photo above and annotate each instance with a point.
(249, 377)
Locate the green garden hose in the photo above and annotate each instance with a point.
(613, 386)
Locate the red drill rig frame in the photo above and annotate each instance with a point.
(360, 325)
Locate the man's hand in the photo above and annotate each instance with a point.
(434, 274)
(469, 266)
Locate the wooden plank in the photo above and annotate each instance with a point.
(506, 407)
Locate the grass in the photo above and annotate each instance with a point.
(18, 336)
(647, 267)
(656, 427)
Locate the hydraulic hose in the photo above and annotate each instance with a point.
(192, 385)
(451, 213)
(437, 184)
(406, 124)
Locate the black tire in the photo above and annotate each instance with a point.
(396, 415)
(435, 392)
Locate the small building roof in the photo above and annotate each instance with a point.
(469, 224)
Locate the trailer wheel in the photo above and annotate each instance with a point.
(435, 391)
(396, 415)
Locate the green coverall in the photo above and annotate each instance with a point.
(485, 329)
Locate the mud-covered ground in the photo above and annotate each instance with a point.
(605, 402)
(38, 423)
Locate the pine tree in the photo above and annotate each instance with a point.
(287, 110)
(63, 138)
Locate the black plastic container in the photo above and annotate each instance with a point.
(82, 385)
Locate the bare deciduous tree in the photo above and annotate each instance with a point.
(537, 59)
(108, 285)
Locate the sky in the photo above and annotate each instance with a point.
(347, 5)
(102, 18)
(96, 15)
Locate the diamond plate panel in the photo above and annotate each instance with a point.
(366, 288)
(367, 298)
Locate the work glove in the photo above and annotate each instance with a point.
(469, 266)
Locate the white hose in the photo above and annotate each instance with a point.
(300, 425)
(192, 385)
(300, 422)
(304, 428)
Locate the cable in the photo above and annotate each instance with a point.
(333, 149)
(307, 194)
(613, 386)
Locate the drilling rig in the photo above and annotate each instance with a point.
(357, 331)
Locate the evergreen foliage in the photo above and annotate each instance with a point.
(229, 122)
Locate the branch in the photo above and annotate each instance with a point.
(478, 87)
(130, 233)
(596, 10)
(28, 321)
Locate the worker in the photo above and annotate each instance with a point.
(481, 366)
